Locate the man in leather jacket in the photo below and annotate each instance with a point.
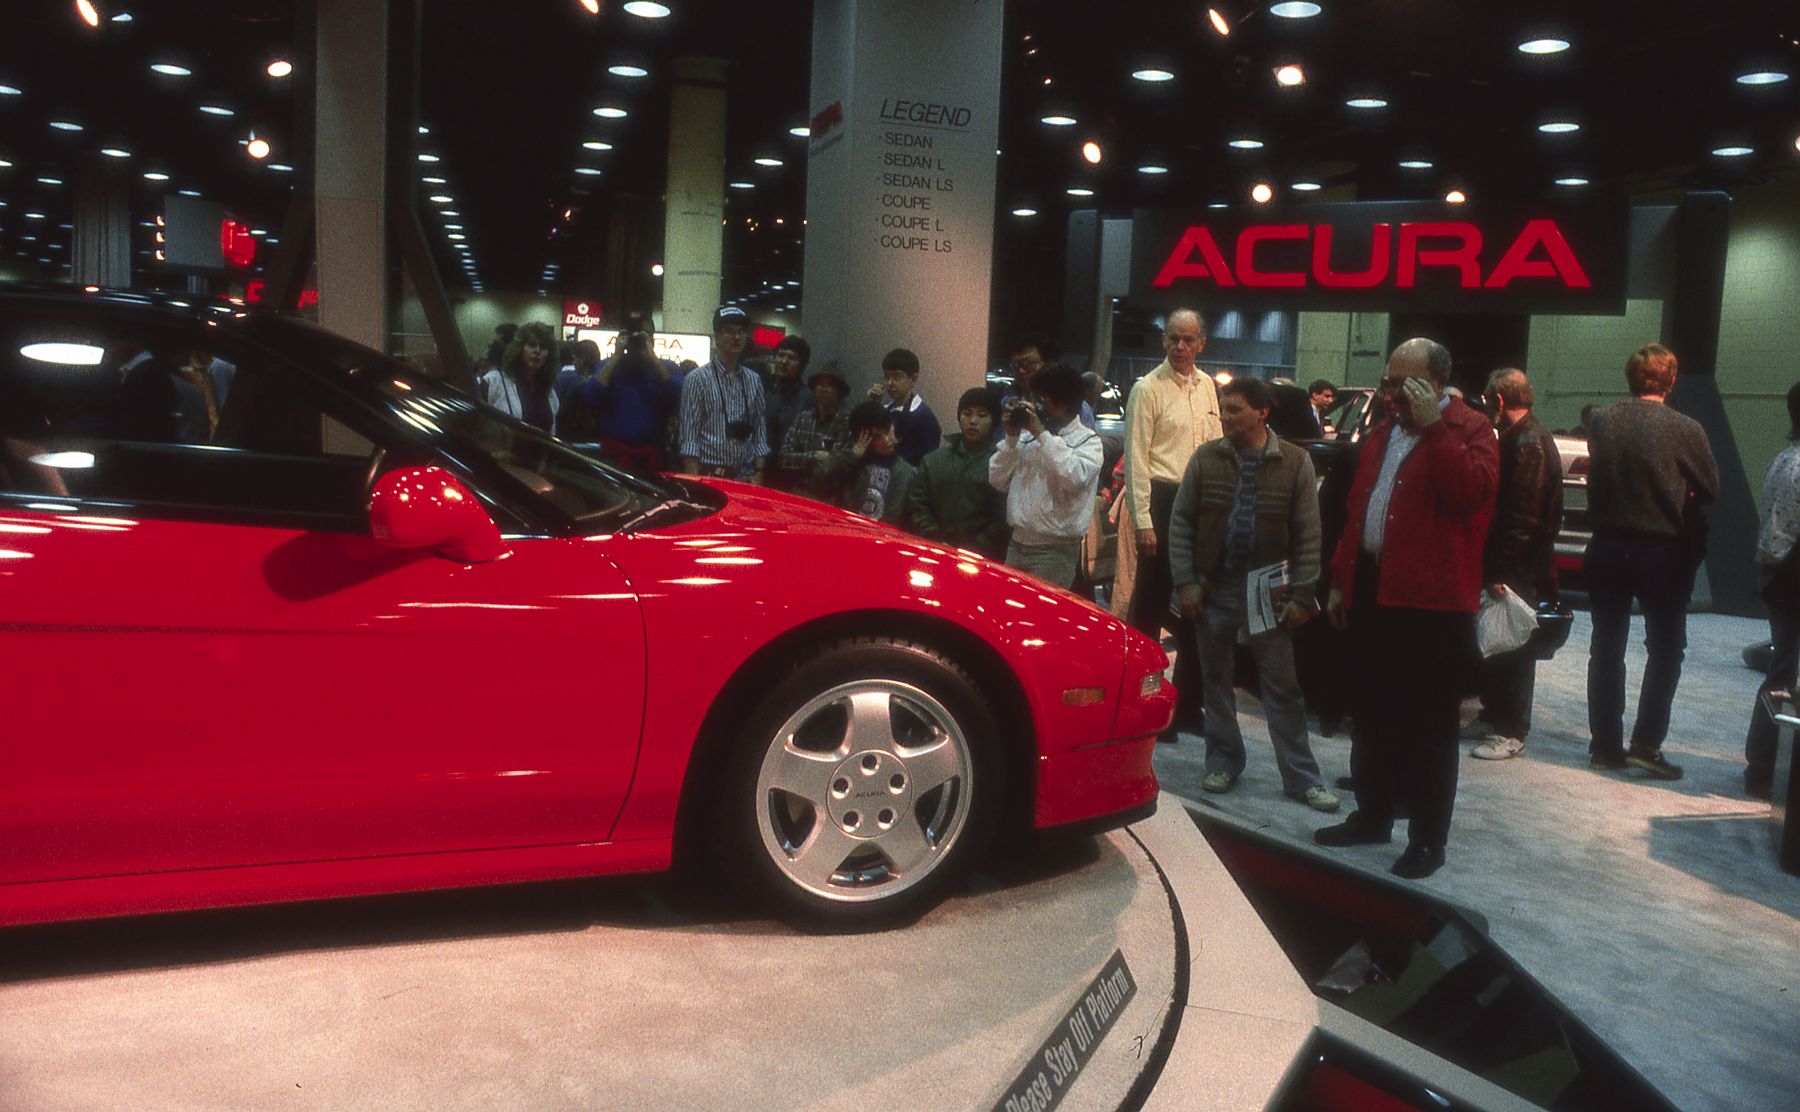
(1520, 554)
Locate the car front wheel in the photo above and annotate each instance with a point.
(863, 784)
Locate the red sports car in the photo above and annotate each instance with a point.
(282, 619)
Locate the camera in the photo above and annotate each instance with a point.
(738, 430)
(1019, 413)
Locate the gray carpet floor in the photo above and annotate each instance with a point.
(1654, 910)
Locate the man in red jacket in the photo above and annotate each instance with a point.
(1406, 582)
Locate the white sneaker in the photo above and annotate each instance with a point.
(1498, 748)
(1478, 730)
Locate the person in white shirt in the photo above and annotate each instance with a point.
(1048, 466)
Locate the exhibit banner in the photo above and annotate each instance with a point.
(1397, 255)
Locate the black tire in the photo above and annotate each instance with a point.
(861, 787)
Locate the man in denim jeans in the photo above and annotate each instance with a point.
(1247, 501)
(1650, 469)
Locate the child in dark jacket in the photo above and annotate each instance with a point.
(952, 501)
(867, 475)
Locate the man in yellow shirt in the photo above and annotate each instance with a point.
(1172, 411)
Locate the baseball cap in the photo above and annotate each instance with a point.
(729, 315)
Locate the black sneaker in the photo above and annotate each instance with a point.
(1607, 762)
(1418, 862)
(1654, 763)
(1353, 832)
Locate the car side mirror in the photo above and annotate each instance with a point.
(426, 507)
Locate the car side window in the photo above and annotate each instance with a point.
(98, 408)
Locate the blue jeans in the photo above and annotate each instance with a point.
(1654, 572)
(1282, 702)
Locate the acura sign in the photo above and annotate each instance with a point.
(1404, 256)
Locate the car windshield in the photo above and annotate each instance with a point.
(592, 495)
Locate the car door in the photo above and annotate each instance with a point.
(212, 664)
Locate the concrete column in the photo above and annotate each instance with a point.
(351, 159)
(693, 232)
(102, 243)
(900, 189)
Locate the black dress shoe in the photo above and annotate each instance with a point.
(1419, 862)
(1354, 831)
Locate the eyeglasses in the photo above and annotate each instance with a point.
(1174, 340)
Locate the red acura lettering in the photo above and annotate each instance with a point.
(1540, 251)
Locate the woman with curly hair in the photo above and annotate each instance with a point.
(520, 385)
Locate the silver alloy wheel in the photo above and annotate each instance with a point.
(863, 790)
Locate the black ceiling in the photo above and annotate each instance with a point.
(508, 92)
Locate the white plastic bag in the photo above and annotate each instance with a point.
(1505, 622)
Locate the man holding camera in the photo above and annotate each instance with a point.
(629, 400)
(724, 419)
(1048, 466)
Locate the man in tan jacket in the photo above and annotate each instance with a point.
(1171, 411)
(1249, 501)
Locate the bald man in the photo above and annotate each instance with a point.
(1406, 582)
(1171, 411)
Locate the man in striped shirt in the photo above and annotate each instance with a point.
(1172, 411)
(724, 423)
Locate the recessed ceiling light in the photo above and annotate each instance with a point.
(89, 14)
(1245, 144)
(429, 158)
(448, 212)
(457, 236)
(257, 148)
(766, 161)
(1365, 102)
(49, 181)
(1797, 142)
(5, 165)
(435, 181)
(1091, 153)
(1571, 181)
(1543, 46)
(1307, 186)
(645, 9)
(628, 71)
(281, 167)
(66, 125)
(1290, 76)
(1078, 191)
(11, 91)
(121, 17)
(1024, 212)
(216, 110)
(1295, 9)
(1218, 205)
(1733, 152)
(1559, 127)
(1262, 193)
(588, 171)
(185, 192)
(1415, 164)
(596, 145)
(1058, 121)
(1217, 19)
(1152, 75)
(740, 185)
(34, 216)
(1456, 197)
(1152, 168)
(170, 69)
(608, 112)
(1762, 77)
(115, 152)
(800, 132)
(441, 198)
(453, 227)
(280, 67)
